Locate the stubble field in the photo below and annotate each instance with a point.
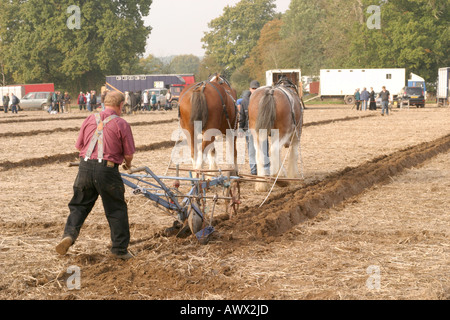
(370, 220)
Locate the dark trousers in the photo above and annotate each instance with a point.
(96, 179)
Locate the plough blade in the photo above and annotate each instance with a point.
(204, 234)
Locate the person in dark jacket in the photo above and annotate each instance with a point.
(243, 124)
(14, 103)
(5, 101)
(373, 103)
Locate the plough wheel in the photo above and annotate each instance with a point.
(234, 192)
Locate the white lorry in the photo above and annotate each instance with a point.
(344, 82)
(294, 75)
(443, 87)
(19, 91)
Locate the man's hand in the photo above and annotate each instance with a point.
(127, 162)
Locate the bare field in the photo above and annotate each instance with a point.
(312, 240)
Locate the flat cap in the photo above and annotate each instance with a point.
(254, 84)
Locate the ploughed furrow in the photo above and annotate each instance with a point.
(300, 203)
(324, 122)
(76, 129)
(150, 123)
(70, 157)
(15, 120)
(65, 157)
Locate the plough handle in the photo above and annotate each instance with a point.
(134, 170)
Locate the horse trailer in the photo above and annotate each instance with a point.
(443, 87)
(293, 75)
(343, 83)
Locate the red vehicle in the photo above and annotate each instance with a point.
(38, 87)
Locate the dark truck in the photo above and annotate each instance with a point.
(412, 96)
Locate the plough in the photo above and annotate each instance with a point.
(189, 209)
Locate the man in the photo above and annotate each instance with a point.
(168, 100)
(365, 99)
(5, 103)
(105, 141)
(373, 104)
(81, 100)
(243, 124)
(14, 103)
(385, 97)
(357, 99)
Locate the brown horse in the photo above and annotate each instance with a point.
(209, 108)
(276, 111)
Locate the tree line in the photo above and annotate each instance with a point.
(245, 41)
(326, 34)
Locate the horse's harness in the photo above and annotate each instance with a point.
(202, 85)
(282, 85)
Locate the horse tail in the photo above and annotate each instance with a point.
(266, 111)
(199, 108)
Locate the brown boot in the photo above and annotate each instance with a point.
(64, 245)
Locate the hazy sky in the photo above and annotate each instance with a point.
(179, 25)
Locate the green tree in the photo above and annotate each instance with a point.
(37, 44)
(413, 34)
(267, 52)
(234, 34)
(185, 64)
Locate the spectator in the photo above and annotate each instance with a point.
(154, 100)
(146, 101)
(61, 101)
(66, 102)
(138, 96)
(14, 103)
(385, 97)
(50, 102)
(88, 101)
(81, 100)
(103, 99)
(168, 100)
(93, 101)
(373, 103)
(365, 99)
(357, 99)
(5, 101)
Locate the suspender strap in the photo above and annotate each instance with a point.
(97, 138)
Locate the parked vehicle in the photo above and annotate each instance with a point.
(34, 101)
(160, 95)
(294, 75)
(412, 96)
(343, 82)
(443, 87)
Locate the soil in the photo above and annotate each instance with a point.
(375, 196)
